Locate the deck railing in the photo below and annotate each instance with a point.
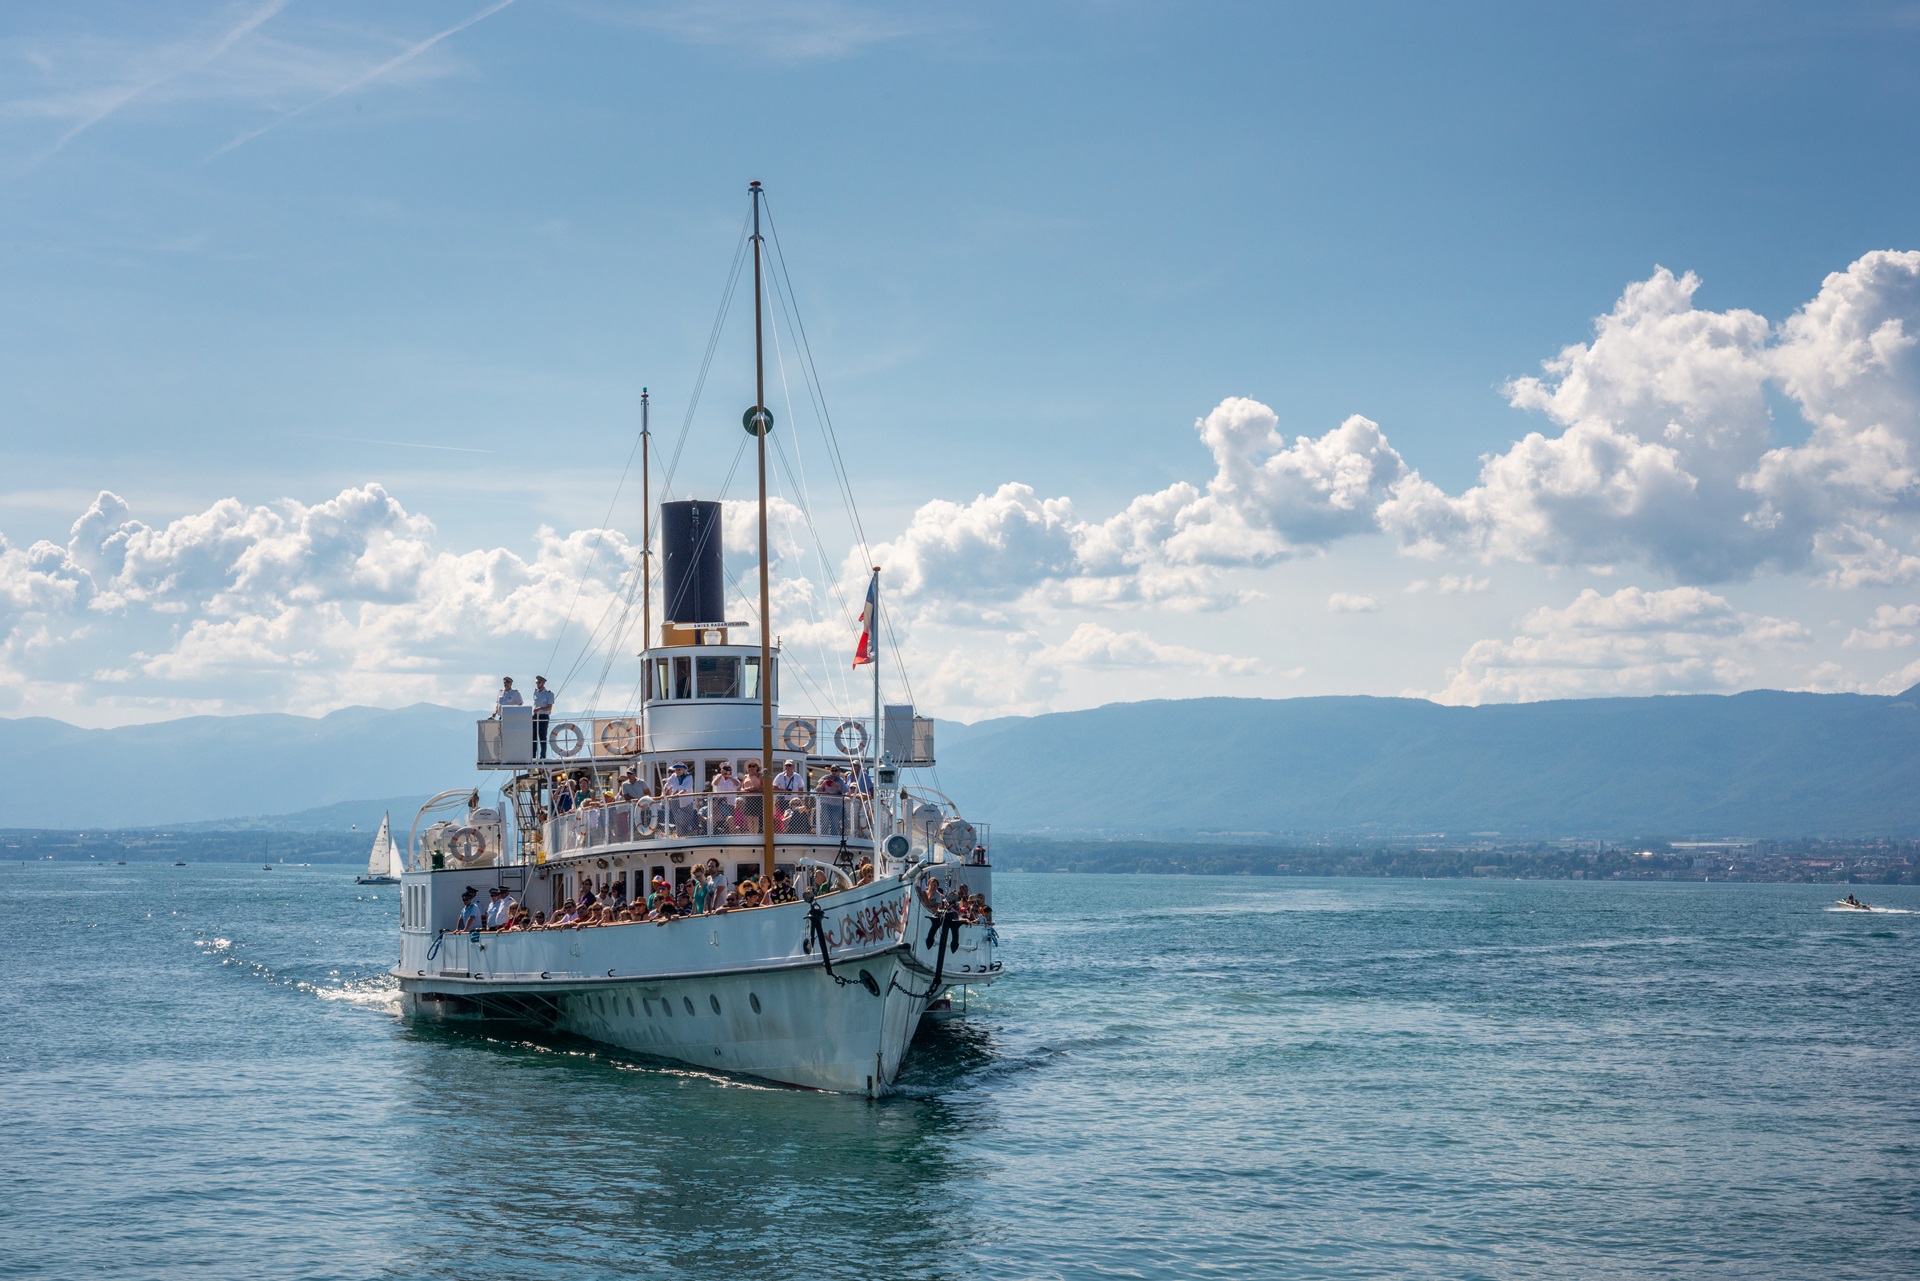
(705, 814)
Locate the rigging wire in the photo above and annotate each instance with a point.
(636, 572)
(827, 574)
(813, 384)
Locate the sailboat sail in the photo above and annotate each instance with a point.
(384, 859)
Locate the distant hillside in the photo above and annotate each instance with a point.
(228, 767)
(1757, 764)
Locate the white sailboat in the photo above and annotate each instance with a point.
(384, 861)
(841, 924)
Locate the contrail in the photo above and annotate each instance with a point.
(244, 28)
(398, 60)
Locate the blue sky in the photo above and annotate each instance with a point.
(262, 254)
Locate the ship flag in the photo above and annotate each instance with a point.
(869, 646)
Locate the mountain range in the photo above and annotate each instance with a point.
(1762, 763)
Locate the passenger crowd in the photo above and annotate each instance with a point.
(706, 892)
(970, 908)
(731, 806)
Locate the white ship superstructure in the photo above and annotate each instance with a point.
(824, 992)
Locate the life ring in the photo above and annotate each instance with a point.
(565, 739)
(850, 738)
(618, 738)
(799, 736)
(467, 844)
(957, 835)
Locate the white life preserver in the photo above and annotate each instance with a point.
(565, 739)
(850, 738)
(957, 835)
(800, 736)
(618, 738)
(467, 845)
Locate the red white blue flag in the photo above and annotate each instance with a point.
(869, 643)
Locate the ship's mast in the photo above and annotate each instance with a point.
(646, 561)
(762, 422)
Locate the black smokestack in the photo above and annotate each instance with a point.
(690, 548)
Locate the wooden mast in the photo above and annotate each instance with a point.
(763, 423)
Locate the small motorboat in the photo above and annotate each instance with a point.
(1852, 904)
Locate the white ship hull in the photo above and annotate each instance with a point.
(740, 992)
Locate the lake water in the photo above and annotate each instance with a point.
(1182, 1077)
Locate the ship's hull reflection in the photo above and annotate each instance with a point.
(549, 1151)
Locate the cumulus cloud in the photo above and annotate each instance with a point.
(1352, 603)
(1667, 454)
(1891, 627)
(1270, 499)
(288, 605)
(1021, 674)
(1683, 639)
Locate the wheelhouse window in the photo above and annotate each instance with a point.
(717, 677)
(750, 677)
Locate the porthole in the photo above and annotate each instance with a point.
(688, 1002)
(666, 1003)
(753, 1001)
(714, 1001)
(630, 1007)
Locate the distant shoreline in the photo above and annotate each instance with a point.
(1812, 861)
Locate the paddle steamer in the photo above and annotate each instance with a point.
(825, 992)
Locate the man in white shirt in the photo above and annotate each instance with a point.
(542, 713)
(678, 784)
(787, 783)
(500, 910)
(832, 793)
(509, 696)
(724, 786)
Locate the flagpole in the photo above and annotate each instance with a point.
(873, 655)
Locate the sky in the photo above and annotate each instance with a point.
(1484, 354)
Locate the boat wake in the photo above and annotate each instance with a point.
(372, 991)
(1875, 910)
(378, 992)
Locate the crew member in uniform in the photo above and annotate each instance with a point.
(542, 713)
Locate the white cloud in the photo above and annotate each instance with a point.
(1270, 499)
(1020, 674)
(290, 606)
(1629, 642)
(1667, 457)
(1352, 603)
(1889, 628)
(1462, 584)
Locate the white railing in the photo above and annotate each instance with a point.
(704, 815)
(571, 738)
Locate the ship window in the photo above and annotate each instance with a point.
(629, 1007)
(683, 678)
(662, 681)
(688, 1002)
(717, 677)
(666, 1003)
(714, 1001)
(750, 678)
(753, 1001)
